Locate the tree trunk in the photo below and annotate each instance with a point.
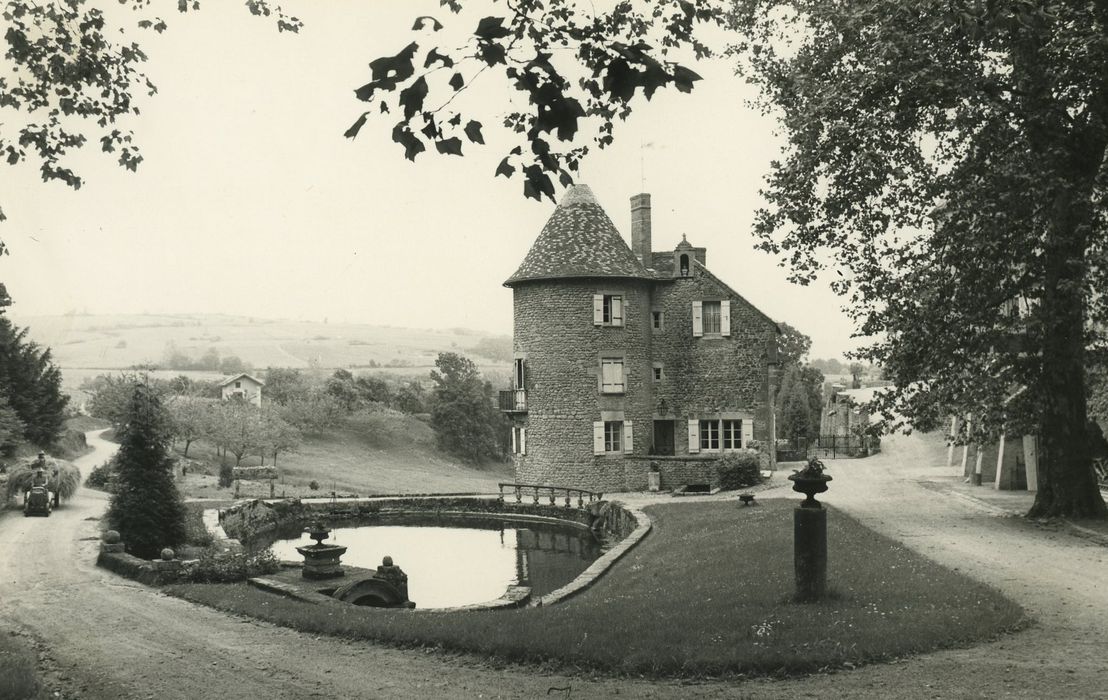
(186, 452)
(1066, 482)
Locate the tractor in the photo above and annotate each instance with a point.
(38, 501)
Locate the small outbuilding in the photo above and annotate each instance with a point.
(242, 385)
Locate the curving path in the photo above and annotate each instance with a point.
(104, 637)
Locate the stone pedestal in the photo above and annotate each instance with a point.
(810, 552)
(654, 481)
(322, 561)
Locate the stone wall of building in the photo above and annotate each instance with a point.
(706, 376)
(562, 349)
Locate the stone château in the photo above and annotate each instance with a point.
(628, 357)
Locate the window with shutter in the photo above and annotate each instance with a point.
(598, 309)
(748, 432)
(697, 319)
(613, 436)
(711, 315)
(628, 436)
(732, 434)
(598, 437)
(611, 375)
(520, 378)
(709, 435)
(725, 317)
(523, 441)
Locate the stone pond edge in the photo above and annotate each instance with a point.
(513, 597)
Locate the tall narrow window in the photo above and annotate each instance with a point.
(711, 314)
(519, 374)
(611, 375)
(709, 435)
(613, 310)
(656, 319)
(613, 436)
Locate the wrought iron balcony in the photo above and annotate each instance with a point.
(513, 401)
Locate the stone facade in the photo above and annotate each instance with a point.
(677, 369)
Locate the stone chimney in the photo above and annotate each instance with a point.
(640, 229)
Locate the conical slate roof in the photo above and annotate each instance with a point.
(579, 240)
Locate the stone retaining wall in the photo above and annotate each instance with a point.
(251, 519)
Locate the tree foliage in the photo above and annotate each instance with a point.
(792, 345)
(71, 79)
(31, 383)
(145, 507)
(948, 159)
(465, 421)
(569, 64)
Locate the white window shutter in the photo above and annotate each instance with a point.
(523, 441)
(725, 317)
(694, 436)
(628, 439)
(514, 440)
(597, 309)
(618, 311)
(598, 437)
(697, 319)
(748, 432)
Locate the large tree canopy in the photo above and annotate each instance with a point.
(949, 158)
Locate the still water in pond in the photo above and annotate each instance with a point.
(451, 566)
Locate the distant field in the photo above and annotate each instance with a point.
(120, 341)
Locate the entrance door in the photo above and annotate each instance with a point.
(663, 437)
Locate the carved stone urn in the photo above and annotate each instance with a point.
(809, 481)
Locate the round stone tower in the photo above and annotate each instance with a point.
(582, 389)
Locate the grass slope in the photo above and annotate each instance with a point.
(376, 453)
(706, 594)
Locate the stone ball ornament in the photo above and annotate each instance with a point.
(110, 537)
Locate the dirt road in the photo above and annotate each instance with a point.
(105, 637)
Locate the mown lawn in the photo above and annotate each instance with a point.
(706, 593)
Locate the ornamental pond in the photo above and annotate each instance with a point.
(451, 564)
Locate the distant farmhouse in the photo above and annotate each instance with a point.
(243, 385)
(627, 357)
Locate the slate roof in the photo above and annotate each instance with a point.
(579, 240)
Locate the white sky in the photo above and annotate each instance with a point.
(250, 201)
